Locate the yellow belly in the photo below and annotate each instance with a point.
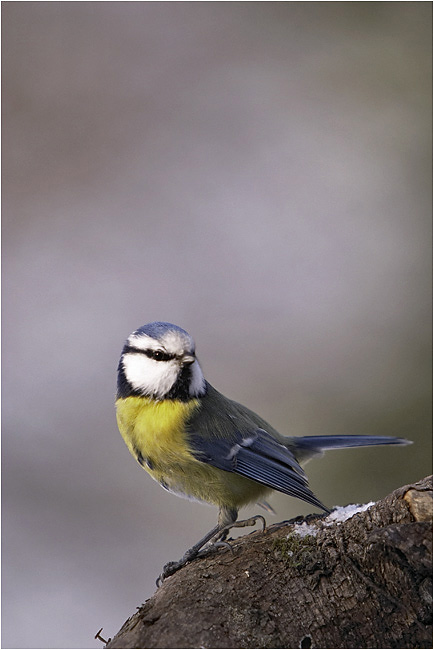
(155, 434)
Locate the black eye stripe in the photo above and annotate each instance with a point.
(158, 355)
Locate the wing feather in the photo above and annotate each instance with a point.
(257, 456)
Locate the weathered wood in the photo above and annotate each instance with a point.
(362, 583)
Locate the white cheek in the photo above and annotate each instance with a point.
(150, 376)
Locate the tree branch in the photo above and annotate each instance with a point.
(360, 582)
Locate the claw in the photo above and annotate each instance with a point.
(214, 546)
(249, 522)
(223, 545)
(168, 570)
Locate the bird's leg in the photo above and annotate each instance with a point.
(227, 520)
(172, 567)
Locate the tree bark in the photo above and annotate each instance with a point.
(317, 582)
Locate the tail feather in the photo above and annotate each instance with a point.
(322, 443)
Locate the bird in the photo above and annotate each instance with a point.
(199, 444)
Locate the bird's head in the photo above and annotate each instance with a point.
(158, 361)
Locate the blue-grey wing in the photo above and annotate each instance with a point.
(257, 456)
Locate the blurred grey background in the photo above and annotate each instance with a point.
(258, 173)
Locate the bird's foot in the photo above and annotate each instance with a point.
(243, 523)
(208, 543)
(168, 570)
(172, 567)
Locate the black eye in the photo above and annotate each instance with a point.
(157, 355)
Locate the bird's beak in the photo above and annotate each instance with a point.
(187, 360)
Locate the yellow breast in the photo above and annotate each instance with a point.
(155, 429)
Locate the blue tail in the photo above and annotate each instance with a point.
(322, 443)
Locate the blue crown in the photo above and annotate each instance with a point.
(158, 329)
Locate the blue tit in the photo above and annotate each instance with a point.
(199, 444)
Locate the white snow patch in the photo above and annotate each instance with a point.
(343, 513)
(304, 529)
